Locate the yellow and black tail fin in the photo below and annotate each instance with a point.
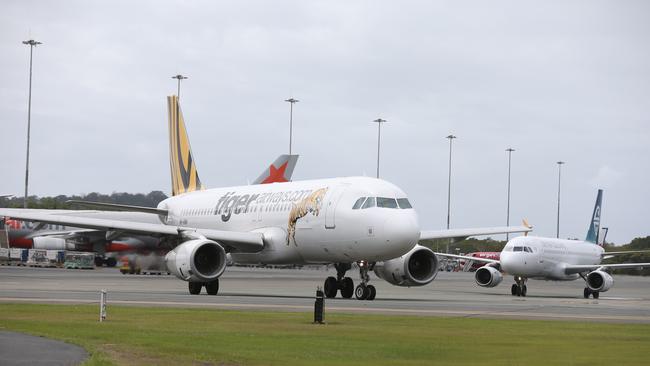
(185, 177)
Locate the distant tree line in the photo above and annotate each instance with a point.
(150, 199)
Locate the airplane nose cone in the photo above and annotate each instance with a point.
(402, 232)
(513, 263)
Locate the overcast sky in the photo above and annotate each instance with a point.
(555, 80)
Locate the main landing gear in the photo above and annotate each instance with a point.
(519, 287)
(212, 287)
(588, 291)
(345, 284)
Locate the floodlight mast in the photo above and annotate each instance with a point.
(379, 121)
(291, 101)
(31, 44)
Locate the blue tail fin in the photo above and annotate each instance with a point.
(594, 227)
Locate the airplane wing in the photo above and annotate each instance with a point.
(242, 241)
(607, 255)
(461, 234)
(571, 269)
(129, 208)
(477, 259)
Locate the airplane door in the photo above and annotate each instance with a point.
(332, 202)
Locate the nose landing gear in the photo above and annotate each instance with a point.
(519, 287)
(364, 291)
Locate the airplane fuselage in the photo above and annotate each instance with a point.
(547, 258)
(306, 222)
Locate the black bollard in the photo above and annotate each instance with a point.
(319, 306)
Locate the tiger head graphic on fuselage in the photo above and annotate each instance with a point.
(310, 204)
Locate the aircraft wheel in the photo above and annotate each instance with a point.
(111, 262)
(99, 261)
(513, 289)
(212, 288)
(371, 292)
(347, 287)
(595, 294)
(330, 288)
(586, 292)
(524, 290)
(194, 287)
(361, 292)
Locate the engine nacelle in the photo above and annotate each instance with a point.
(488, 276)
(198, 260)
(599, 281)
(49, 243)
(418, 267)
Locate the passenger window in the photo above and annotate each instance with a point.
(370, 202)
(357, 205)
(404, 203)
(386, 202)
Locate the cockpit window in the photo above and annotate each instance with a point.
(386, 202)
(528, 250)
(519, 249)
(357, 205)
(404, 203)
(370, 202)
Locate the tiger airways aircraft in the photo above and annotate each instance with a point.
(336, 221)
(553, 259)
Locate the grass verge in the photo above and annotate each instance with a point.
(171, 336)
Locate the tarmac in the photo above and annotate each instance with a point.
(19, 349)
(263, 289)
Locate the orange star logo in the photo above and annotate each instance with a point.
(276, 175)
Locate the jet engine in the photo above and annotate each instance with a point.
(49, 243)
(418, 267)
(488, 276)
(599, 281)
(198, 260)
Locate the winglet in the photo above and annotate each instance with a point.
(526, 224)
(280, 171)
(185, 177)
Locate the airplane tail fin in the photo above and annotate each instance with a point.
(594, 226)
(280, 171)
(185, 177)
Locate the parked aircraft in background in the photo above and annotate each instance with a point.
(340, 220)
(471, 265)
(554, 259)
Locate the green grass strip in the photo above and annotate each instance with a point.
(173, 336)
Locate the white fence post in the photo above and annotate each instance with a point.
(102, 306)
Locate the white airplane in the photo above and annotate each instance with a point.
(553, 259)
(341, 221)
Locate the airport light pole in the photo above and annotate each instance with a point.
(291, 101)
(379, 121)
(509, 150)
(559, 180)
(179, 77)
(451, 139)
(31, 44)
